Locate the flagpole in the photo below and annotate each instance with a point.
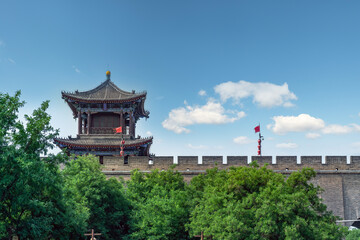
(261, 138)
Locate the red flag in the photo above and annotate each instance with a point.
(257, 129)
(118, 130)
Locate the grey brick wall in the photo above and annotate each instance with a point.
(211, 160)
(287, 162)
(262, 160)
(311, 161)
(163, 162)
(333, 192)
(341, 181)
(237, 160)
(351, 195)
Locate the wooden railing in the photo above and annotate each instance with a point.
(102, 130)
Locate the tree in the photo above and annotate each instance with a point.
(31, 202)
(353, 235)
(160, 206)
(257, 203)
(104, 198)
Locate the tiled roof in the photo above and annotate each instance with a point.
(105, 92)
(101, 142)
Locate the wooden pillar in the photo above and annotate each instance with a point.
(130, 124)
(134, 126)
(124, 122)
(88, 122)
(121, 121)
(79, 123)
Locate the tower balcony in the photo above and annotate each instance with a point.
(102, 130)
(105, 130)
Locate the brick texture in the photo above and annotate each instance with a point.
(340, 181)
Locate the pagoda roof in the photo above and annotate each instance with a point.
(107, 92)
(101, 142)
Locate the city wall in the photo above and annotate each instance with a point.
(339, 176)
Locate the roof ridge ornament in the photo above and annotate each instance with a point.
(108, 74)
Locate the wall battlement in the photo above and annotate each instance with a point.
(339, 176)
(195, 163)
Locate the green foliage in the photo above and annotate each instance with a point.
(353, 235)
(160, 205)
(9, 108)
(37, 201)
(256, 203)
(104, 200)
(31, 202)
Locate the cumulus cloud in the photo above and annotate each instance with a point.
(355, 127)
(210, 113)
(336, 129)
(286, 145)
(341, 129)
(300, 123)
(243, 140)
(240, 114)
(263, 94)
(202, 93)
(312, 135)
(306, 123)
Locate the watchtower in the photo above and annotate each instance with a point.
(107, 117)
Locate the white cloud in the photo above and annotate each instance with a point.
(312, 135)
(197, 147)
(289, 104)
(240, 115)
(243, 140)
(300, 123)
(336, 129)
(11, 60)
(356, 144)
(264, 94)
(149, 133)
(202, 93)
(286, 145)
(355, 127)
(210, 113)
(305, 123)
(76, 69)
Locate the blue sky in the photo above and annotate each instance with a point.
(212, 69)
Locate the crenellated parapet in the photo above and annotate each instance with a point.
(339, 176)
(201, 163)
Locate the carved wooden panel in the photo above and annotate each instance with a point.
(105, 120)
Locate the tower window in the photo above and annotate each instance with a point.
(101, 159)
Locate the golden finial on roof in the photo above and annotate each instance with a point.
(108, 73)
